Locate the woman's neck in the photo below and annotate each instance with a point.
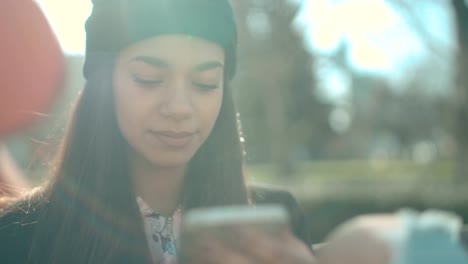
(158, 187)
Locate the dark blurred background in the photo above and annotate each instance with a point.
(356, 106)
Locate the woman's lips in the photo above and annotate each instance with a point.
(172, 138)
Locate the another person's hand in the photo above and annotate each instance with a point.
(246, 245)
(407, 237)
(360, 241)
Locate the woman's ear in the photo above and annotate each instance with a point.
(31, 64)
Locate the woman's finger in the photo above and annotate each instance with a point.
(266, 248)
(210, 250)
(300, 251)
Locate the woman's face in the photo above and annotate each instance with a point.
(168, 93)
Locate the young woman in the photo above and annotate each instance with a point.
(153, 134)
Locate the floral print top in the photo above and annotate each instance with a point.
(162, 233)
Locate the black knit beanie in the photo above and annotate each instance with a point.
(115, 24)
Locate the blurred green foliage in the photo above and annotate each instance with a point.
(332, 192)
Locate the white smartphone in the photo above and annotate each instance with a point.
(271, 219)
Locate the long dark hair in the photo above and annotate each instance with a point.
(90, 214)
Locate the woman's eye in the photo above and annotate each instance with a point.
(205, 87)
(147, 82)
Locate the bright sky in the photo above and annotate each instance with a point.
(379, 39)
(356, 24)
(377, 35)
(67, 18)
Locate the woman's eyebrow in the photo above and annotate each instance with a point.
(208, 66)
(153, 61)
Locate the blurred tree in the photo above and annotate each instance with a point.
(274, 86)
(461, 18)
(393, 122)
(408, 118)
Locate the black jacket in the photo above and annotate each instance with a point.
(16, 233)
(17, 226)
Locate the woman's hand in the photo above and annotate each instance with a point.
(249, 246)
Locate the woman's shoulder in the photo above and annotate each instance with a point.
(17, 225)
(19, 212)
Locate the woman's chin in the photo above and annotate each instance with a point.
(170, 161)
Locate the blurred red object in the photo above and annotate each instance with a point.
(31, 65)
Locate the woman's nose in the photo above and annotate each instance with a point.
(177, 103)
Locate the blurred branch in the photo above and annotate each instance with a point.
(461, 17)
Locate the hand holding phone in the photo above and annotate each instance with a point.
(240, 234)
